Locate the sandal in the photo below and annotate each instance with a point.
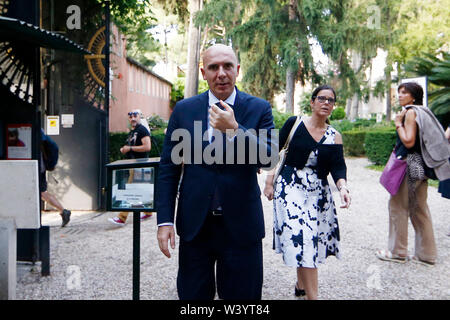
(422, 262)
(299, 292)
(386, 255)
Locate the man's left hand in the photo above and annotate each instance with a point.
(222, 119)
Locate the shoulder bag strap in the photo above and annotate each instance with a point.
(294, 128)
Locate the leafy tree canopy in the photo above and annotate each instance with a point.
(134, 18)
(437, 69)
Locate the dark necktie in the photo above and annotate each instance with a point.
(222, 108)
(216, 201)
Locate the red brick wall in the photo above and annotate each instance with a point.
(133, 87)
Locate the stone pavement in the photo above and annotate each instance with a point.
(92, 259)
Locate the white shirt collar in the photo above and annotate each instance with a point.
(213, 100)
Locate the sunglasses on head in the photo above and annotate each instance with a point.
(322, 99)
(133, 114)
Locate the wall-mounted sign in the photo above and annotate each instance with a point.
(18, 141)
(52, 125)
(67, 120)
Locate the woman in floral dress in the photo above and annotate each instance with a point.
(306, 229)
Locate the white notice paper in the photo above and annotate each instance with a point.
(67, 120)
(52, 125)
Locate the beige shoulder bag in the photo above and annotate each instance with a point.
(284, 151)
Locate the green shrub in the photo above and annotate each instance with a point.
(177, 92)
(305, 103)
(358, 124)
(118, 139)
(379, 144)
(280, 118)
(156, 122)
(157, 143)
(364, 123)
(355, 133)
(354, 142)
(338, 114)
(342, 125)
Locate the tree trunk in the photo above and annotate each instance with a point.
(388, 69)
(191, 85)
(290, 89)
(356, 66)
(348, 108)
(290, 72)
(388, 95)
(355, 107)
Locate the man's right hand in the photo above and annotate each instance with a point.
(166, 233)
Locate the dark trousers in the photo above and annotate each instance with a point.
(239, 267)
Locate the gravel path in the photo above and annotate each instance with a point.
(92, 259)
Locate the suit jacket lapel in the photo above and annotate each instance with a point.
(238, 108)
(204, 116)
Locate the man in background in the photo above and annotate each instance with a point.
(137, 146)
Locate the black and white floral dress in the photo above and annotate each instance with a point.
(306, 228)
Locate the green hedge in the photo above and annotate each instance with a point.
(117, 140)
(379, 145)
(338, 114)
(157, 143)
(354, 142)
(279, 118)
(358, 124)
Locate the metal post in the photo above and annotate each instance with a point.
(136, 253)
(105, 142)
(44, 250)
(8, 260)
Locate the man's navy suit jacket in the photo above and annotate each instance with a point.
(237, 183)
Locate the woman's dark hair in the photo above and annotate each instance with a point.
(318, 89)
(322, 87)
(415, 90)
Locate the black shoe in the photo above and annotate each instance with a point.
(299, 292)
(65, 217)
